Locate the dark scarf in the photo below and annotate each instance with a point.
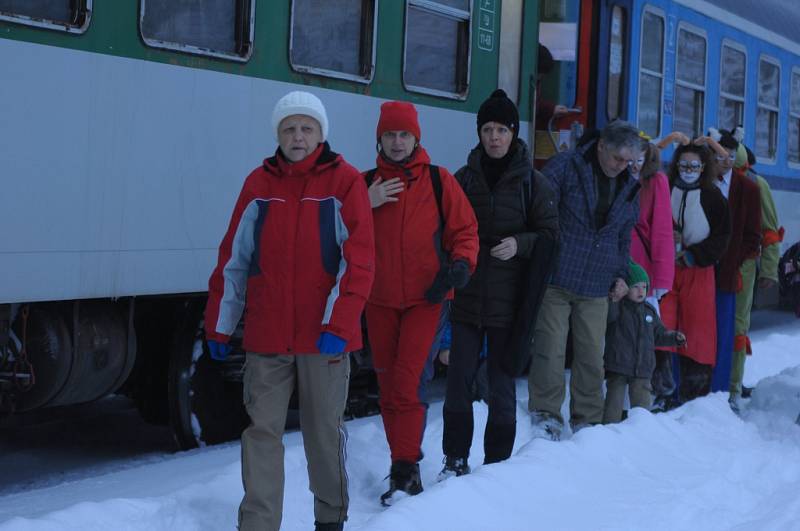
(493, 169)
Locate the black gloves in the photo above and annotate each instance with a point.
(454, 276)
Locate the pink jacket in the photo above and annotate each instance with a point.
(652, 244)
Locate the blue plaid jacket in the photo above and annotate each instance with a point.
(589, 258)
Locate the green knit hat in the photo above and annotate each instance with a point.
(636, 274)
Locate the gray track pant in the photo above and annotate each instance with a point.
(269, 381)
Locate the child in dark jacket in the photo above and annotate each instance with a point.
(634, 330)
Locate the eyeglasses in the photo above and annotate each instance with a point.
(731, 157)
(694, 165)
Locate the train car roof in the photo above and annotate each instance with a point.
(781, 17)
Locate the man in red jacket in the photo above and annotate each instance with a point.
(297, 261)
(744, 204)
(426, 244)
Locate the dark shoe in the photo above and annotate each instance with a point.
(746, 391)
(329, 526)
(404, 481)
(735, 402)
(453, 467)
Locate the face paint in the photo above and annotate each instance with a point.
(689, 176)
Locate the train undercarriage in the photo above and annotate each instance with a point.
(151, 349)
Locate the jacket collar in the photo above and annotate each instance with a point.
(418, 160)
(319, 159)
(625, 193)
(519, 164)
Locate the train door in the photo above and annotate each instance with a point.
(613, 58)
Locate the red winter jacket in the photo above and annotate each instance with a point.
(407, 235)
(297, 259)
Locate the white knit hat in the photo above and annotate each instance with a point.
(300, 102)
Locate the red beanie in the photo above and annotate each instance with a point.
(398, 116)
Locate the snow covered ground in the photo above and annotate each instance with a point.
(698, 467)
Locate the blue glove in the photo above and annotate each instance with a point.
(330, 344)
(688, 257)
(219, 351)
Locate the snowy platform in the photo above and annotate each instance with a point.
(698, 467)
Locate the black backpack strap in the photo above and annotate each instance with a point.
(436, 182)
(370, 176)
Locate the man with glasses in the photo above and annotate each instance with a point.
(744, 204)
(598, 206)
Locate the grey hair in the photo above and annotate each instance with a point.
(621, 134)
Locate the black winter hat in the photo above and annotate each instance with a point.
(498, 108)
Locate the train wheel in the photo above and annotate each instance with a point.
(205, 396)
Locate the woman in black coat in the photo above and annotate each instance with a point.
(514, 208)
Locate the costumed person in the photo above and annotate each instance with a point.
(744, 205)
(765, 268)
(701, 232)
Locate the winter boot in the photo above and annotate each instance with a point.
(329, 526)
(453, 467)
(404, 481)
(498, 442)
(735, 402)
(546, 426)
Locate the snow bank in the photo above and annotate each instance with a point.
(698, 467)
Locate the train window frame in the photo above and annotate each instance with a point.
(650, 9)
(793, 115)
(685, 26)
(441, 9)
(727, 95)
(777, 110)
(624, 55)
(315, 70)
(79, 25)
(197, 50)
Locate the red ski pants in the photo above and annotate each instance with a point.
(401, 340)
(691, 308)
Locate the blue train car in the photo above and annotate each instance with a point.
(688, 65)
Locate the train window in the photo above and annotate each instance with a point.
(437, 48)
(690, 82)
(616, 63)
(794, 118)
(65, 15)
(733, 67)
(651, 73)
(769, 86)
(219, 28)
(334, 38)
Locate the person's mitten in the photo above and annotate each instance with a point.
(459, 274)
(456, 275)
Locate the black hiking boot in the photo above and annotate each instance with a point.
(329, 526)
(453, 467)
(404, 481)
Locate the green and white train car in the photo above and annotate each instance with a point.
(127, 128)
